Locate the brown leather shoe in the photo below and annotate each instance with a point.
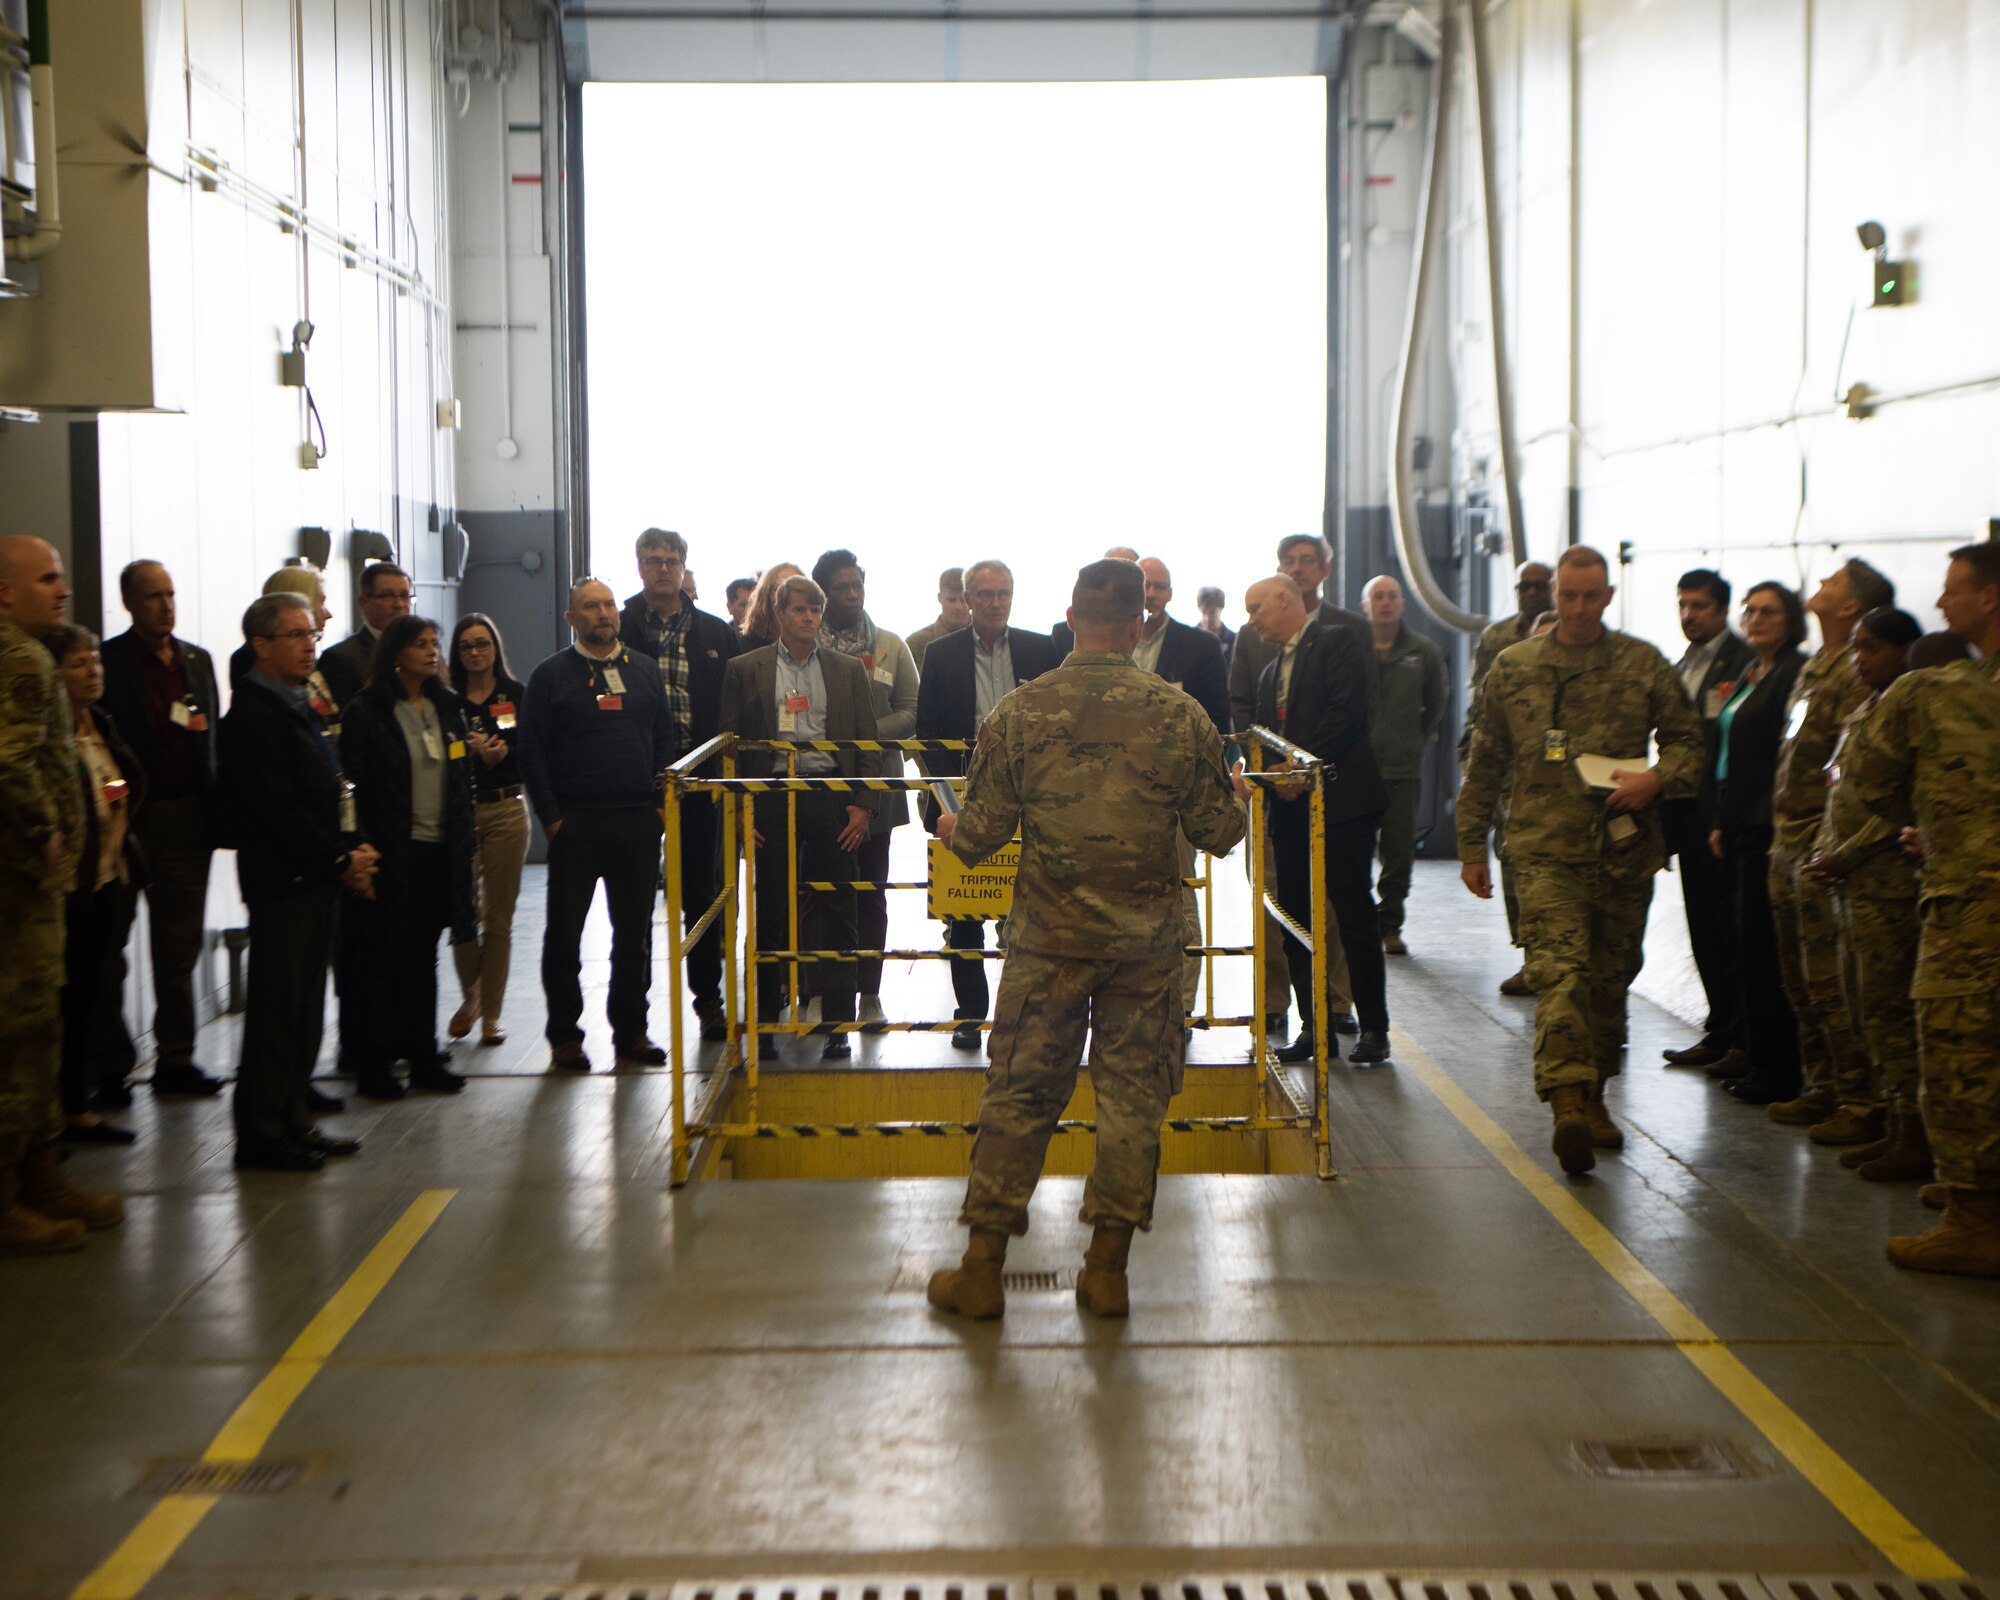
(45, 1189)
(1101, 1288)
(973, 1289)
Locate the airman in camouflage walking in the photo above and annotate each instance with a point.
(1583, 859)
(41, 817)
(1931, 751)
(1097, 764)
(1834, 1105)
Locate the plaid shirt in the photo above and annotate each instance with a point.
(669, 639)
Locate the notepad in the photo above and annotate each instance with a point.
(1596, 771)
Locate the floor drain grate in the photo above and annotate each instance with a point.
(1674, 1458)
(222, 1477)
(1060, 1281)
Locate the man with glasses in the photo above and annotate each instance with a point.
(965, 675)
(692, 650)
(386, 594)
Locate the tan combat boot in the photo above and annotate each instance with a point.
(44, 1188)
(1572, 1140)
(1100, 1287)
(1932, 1195)
(1851, 1124)
(1604, 1133)
(29, 1233)
(1907, 1156)
(1966, 1243)
(1516, 985)
(1815, 1105)
(973, 1289)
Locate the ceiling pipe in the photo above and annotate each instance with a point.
(1489, 182)
(1402, 493)
(47, 233)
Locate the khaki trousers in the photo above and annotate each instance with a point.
(503, 847)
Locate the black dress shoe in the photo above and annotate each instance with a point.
(184, 1080)
(1345, 1023)
(328, 1144)
(1703, 1054)
(114, 1096)
(1300, 1049)
(965, 1036)
(288, 1155)
(836, 1049)
(379, 1083)
(435, 1077)
(568, 1057)
(1756, 1091)
(318, 1100)
(1371, 1049)
(641, 1052)
(1730, 1064)
(97, 1133)
(714, 1025)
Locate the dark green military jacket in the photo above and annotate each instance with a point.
(1099, 765)
(1609, 698)
(40, 792)
(1409, 704)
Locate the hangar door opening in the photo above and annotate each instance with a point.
(932, 322)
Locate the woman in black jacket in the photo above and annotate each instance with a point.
(403, 746)
(98, 910)
(1737, 793)
(489, 697)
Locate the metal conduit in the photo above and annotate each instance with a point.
(1503, 382)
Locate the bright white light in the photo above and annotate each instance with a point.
(936, 322)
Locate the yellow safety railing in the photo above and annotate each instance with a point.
(736, 905)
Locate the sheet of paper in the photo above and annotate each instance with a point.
(1596, 770)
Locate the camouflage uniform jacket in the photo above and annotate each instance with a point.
(1863, 843)
(1098, 763)
(1827, 693)
(1493, 639)
(40, 792)
(1614, 694)
(1931, 752)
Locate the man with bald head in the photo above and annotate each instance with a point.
(1409, 705)
(595, 734)
(41, 816)
(161, 691)
(1317, 691)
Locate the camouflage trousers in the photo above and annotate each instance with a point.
(1131, 1009)
(1832, 1055)
(1957, 992)
(31, 977)
(1583, 929)
(1880, 933)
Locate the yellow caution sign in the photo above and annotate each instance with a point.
(986, 890)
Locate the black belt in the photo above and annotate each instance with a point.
(512, 791)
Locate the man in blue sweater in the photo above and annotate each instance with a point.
(595, 734)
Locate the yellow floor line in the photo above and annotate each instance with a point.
(1879, 1522)
(163, 1530)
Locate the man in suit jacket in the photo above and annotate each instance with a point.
(386, 594)
(965, 675)
(161, 692)
(795, 690)
(1714, 662)
(692, 650)
(1315, 690)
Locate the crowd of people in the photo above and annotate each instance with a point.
(377, 795)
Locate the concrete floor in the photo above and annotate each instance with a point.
(578, 1376)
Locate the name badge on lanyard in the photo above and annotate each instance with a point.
(183, 714)
(502, 712)
(349, 822)
(614, 680)
(432, 749)
(788, 713)
(611, 702)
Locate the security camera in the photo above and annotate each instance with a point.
(1871, 236)
(302, 334)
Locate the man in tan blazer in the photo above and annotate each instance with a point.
(795, 690)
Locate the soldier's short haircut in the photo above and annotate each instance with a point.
(1705, 580)
(1891, 626)
(799, 584)
(376, 570)
(128, 575)
(1984, 559)
(951, 581)
(1868, 586)
(1937, 650)
(834, 561)
(266, 614)
(1582, 555)
(990, 564)
(1108, 592)
(1320, 547)
(660, 539)
(1794, 608)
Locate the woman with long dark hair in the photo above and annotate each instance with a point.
(1738, 782)
(403, 746)
(489, 698)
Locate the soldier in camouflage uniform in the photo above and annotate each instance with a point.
(1835, 1104)
(1584, 860)
(1097, 763)
(41, 817)
(1875, 885)
(1931, 751)
(1531, 594)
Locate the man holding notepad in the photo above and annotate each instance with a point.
(1564, 725)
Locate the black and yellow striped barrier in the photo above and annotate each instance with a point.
(916, 745)
(947, 1130)
(802, 1028)
(774, 958)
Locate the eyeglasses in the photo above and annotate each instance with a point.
(293, 635)
(660, 563)
(465, 645)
